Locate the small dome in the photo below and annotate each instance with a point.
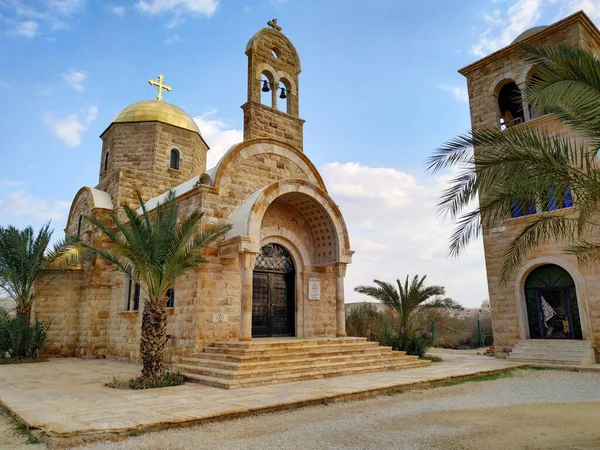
(155, 111)
(530, 32)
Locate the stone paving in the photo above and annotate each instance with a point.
(67, 397)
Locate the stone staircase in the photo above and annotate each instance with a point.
(565, 352)
(231, 365)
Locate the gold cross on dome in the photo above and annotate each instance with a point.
(273, 24)
(159, 84)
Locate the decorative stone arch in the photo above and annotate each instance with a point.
(96, 199)
(580, 289)
(251, 148)
(247, 218)
(331, 245)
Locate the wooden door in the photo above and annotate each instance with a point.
(272, 304)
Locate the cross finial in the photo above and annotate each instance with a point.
(159, 84)
(273, 24)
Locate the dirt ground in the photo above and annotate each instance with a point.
(531, 410)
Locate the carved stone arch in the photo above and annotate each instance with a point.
(253, 147)
(280, 41)
(332, 244)
(95, 199)
(580, 288)
(290, 241)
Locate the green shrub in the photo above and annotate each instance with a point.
(21, 340)
(365, 320)
(167, 380)
(413, 343)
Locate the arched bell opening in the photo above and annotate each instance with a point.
(510, 105)
(273, 292)
(551, 304)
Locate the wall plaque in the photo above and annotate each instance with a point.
(220, 318)
(314, 289)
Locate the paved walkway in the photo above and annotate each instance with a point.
(67, 397)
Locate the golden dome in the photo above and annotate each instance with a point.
(155, 111)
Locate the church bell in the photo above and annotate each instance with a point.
(265, 87)
(283, 94)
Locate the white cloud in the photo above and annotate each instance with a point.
(28, 17)
(117, 10)
(458, 92)
(75, 79)
(21, 206)
(155, 7)
(591, 8)
(504, 27)
(69, 129)
(173, 39)
(218, 137)
(394, 229)
(27, 28)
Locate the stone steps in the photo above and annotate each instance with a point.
(278, 355)
(288, 361)
(558, 352)
(289, 378)
(266, 361)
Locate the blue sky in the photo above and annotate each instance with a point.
(379, 91)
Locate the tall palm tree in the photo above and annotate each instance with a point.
(155, 249)
(408, 299)
(522, 166)
(25, 260)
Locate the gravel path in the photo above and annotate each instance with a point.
(532, 410)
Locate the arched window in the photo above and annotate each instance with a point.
(284, 102)
(174, 159)
(510, 104)
(131, 294)
(79, 225)
(267, 86)
(106, 155)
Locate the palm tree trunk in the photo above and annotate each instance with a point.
(154, 339)
(24, 313)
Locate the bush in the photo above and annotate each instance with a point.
(365, 320)
(413, 343)
(167, 380)
(21, 340)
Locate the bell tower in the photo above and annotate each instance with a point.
(272, 107)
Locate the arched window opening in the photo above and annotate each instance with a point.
(284, 102)
(551, 302)
(79, 222)
(136, 296)
(534, 111)
(106, 155)
(267, 86)
(174, 159)
(275, 53)
(510, 104)
(171, 298)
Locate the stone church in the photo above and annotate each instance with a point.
(278, 273)
(550, 310)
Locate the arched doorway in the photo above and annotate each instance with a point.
(551, 300)
(273, 286)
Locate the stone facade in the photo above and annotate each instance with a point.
(485, 79)
(265, 187)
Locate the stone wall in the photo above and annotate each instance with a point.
(59, 303)
(507, 299)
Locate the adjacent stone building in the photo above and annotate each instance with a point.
(551, 300)
(279, 271)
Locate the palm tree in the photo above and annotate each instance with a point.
(27, 267)
(408, 299)
(155, 249)
(524, 166)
